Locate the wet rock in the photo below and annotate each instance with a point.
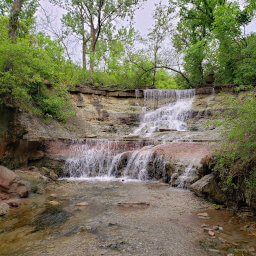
(11, 184)
(4, 208)
(208, 187)
(37, 182)
(49, 173)
(82, 204)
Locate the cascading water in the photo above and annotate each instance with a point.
(166, 109)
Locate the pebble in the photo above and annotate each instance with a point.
(214, 250)
(82, 204)
(4, 208)
(216, 228)
(13, 204)
(84, 228)
(211, 233)
(203, 214)
(54, 203)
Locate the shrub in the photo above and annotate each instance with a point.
(236, 160)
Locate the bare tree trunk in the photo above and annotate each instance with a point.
(14, 18)
(155, 65)
(92, 54)
(84, 54)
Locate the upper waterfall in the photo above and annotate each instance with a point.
(165, 109)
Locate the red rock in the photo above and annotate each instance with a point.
(11, 184)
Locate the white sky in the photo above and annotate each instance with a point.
(143, 21)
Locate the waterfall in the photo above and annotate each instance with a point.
(167, 109)
(111, 159)
(105, 159)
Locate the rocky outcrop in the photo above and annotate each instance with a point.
(208, 187)
(136, 93)
(11, 185)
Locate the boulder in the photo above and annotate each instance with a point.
(11, 185)
(208, 187)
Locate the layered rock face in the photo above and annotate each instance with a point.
(172, 154)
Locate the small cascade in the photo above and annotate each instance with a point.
(105, 158)
(181, 181)
(173, 110)
(94, 157)
(138, 163)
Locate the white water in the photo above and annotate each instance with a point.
(183, 178)
(109, 160)
(173, 110)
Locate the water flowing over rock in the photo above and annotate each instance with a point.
(177, 163)
(167, 109)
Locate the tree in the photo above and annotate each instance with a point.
(91, 20)
(160, 31)
(13, 20)
(210, 38)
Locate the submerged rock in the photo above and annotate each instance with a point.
(51, 217)
(11, 185)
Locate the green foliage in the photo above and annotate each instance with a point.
(164, 80)
(23, 68)
(209, 35)
(235, 161)
(245, 72)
